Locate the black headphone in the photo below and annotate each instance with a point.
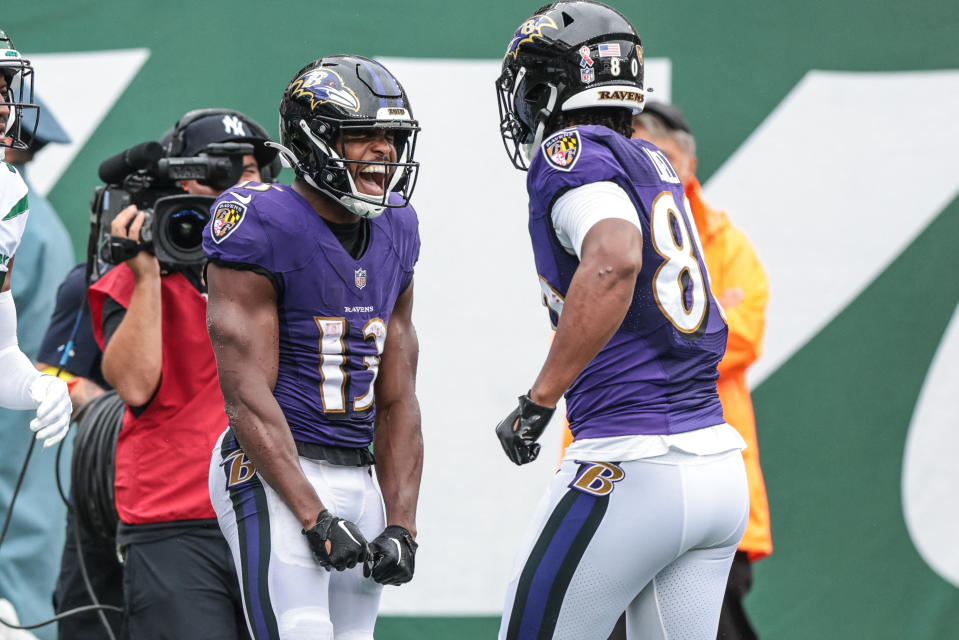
(175, 140)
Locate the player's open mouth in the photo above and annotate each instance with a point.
(371, 179)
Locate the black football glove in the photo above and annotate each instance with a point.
(347, 544)
(392, 556)
(530, 420)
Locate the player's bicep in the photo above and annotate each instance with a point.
(614, 243)
(397, 378)
(244, 325)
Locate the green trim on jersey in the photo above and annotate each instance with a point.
(19, 208)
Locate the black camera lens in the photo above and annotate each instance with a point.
(185, 228)
(178, 223)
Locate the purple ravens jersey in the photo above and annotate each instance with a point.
(333, 310)
(657, 375)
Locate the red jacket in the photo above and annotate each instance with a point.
(163, 455)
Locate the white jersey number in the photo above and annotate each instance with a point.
(374, 330)
(679, 285)
(333, 355)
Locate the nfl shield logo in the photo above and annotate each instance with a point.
(359, 278)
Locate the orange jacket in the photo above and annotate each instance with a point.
(739, 283)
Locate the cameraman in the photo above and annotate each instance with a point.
(150, 320)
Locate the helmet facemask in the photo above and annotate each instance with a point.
(18, 99)
(329, 169)
(524, 114)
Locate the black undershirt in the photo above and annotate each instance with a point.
(354, 236)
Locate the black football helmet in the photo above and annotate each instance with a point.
(331, 96)
(18, 97)
(569, 55)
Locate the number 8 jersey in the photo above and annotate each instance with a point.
(333, 310)
(657, 375)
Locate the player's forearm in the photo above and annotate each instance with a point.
(18, 371)
(398, 447)
(596, 303)
(263, 433)
(133, 358)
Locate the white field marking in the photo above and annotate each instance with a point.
(832, 186)
(79, 101)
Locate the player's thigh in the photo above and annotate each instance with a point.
(178, 588)
(605, 531)
(683, 600)
(284, 590)
(351, 493)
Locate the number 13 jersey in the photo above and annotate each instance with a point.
(333, 310)
(657, 375)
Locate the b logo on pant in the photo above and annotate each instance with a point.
(239, 468)
(597, 478)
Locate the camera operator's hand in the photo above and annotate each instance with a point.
(128, 224)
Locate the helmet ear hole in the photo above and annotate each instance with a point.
(567, 19)
(535, 95)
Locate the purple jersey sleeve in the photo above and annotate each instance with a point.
(249, 225)
(235, 232)
(568, 159)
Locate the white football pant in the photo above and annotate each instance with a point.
(652, 537)
(286, 594)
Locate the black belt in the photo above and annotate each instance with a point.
(339, 456)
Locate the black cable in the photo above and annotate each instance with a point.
(61, 616)
(88, 584)
(64, 358)
(85, 424)
(16, 490)
(92, 470)
(100, 608)
(96, 436)
(56, 471)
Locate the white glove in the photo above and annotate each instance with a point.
(53, 409)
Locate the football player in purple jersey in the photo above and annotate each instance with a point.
(311, 294)
(650, 501)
